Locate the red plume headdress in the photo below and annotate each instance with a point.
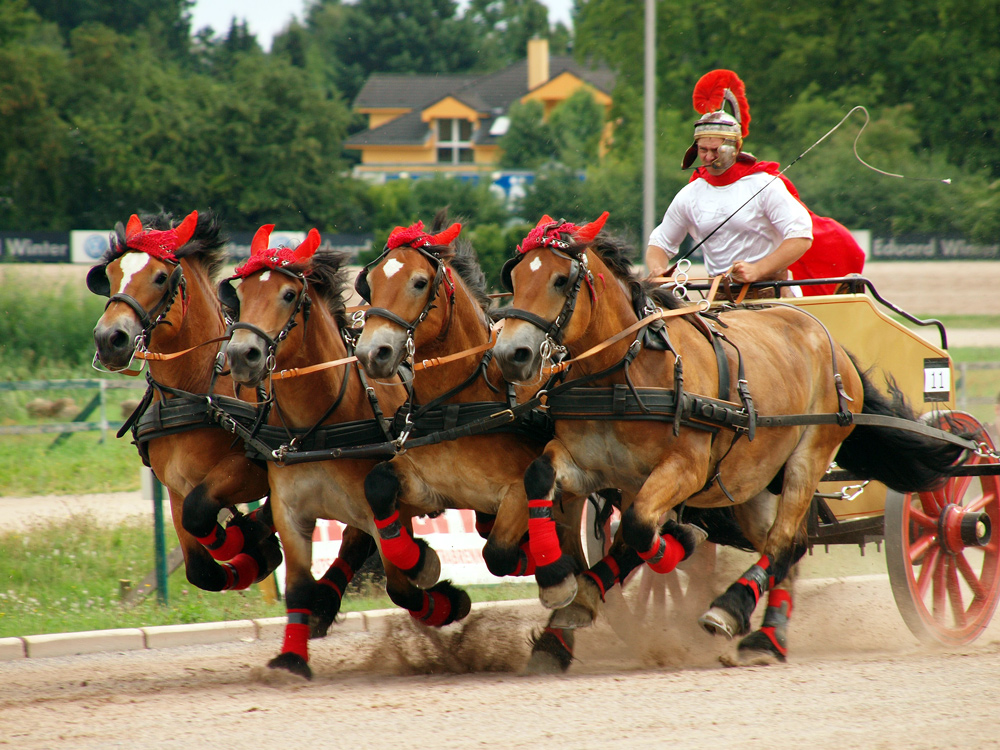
(262, 256)
(711, 94)
(414, 236)
(548, 233)
(160, 243)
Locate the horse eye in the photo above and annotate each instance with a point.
(289, 296)
(160, 278)
(560, 281)
(420, 284)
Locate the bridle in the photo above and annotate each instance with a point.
(442, 276)
(579, 274)
(302, 303)
(97, 282)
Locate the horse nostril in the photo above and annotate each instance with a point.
(119, 339)
(383, 354)
(522, 355)
(253, 355)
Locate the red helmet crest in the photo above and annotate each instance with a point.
(261, 256)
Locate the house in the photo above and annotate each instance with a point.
(427, 124)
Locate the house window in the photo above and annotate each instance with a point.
(454, 141)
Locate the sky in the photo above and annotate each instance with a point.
(268, 17)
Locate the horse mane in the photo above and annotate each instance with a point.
(206, 247)
(617, 255)
(461, 256)
(328, 277)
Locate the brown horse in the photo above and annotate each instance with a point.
(429, 302)
(686, 441)
(158, 277)
(292, 316)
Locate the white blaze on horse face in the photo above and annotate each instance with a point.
(265, 276)
(535, 264)
(131, 264)
(391, 267)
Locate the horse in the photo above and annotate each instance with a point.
(158, 276)
(292, 315)
(429, 303)
(635, 415)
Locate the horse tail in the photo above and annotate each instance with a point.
(721, 525)
(905, 461)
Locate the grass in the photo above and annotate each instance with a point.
(80, 464)
(64, 576)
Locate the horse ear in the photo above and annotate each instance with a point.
(447, 236)
(98, 282)
(259, 242)
(133, 227)
(185, 230)
(587, 232)
(309, 246)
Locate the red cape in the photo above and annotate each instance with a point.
(834, 251)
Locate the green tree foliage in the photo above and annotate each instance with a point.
(529, 141)
(168, 21)
(571, 135)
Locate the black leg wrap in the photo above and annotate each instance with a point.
(204, 572)
(556, 642)
(409, 597)
(739, 601)
(263, 515)
(634, 533)
(540, 478)
(628, 560)
(502, 561)
(382, 489)
(484, 524)
(200, 512)
(782, 564)
(555, 573)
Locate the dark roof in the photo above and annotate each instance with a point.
(405, 130)
(490, 94)
(407, 91)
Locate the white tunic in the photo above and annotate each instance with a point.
(753, 232)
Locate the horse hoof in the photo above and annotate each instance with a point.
(292, 663)
(757, 649)
(559, 595)
(571, 617)
(429, 572)
(719, 622)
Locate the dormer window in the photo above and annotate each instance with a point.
(454, 141)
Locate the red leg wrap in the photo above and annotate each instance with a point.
(436, 609)
(558, 633)
(346, 570)
(525, 562)
(604, 574)
(543, 540)
(777, 597)
(297, 633)
(241, 571)
(231, 546)
(664, 555)
(397, 544)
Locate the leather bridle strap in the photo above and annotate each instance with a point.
(167, 356)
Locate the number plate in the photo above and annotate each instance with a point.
(937, 379)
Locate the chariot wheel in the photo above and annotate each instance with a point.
(943, 549)
(648, 597)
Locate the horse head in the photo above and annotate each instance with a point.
(142, 277)
(269, 304)
(550, 310)
(411, 290)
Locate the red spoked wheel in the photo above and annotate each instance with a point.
(943, 549)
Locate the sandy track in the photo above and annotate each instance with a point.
(857, 679)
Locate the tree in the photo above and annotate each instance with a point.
(576, 125)
(529, 141)
(169, 21)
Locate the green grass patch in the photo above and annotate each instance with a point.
(79, 464)
(64, 576)
(955, 321)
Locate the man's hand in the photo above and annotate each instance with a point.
(744, 272)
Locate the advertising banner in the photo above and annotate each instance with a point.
(88, 245)
(35, 247)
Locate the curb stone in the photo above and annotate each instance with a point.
(169, 636)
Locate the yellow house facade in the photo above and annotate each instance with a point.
(425, 124)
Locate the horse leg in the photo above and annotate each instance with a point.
(555, 572)
(730, 613)
(199, 566)
(420, 563)
(440, 605)
(355, 548)
(247, 546)
(507, 551)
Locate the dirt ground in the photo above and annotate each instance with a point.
(856, 679)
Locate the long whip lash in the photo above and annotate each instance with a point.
(826, 135)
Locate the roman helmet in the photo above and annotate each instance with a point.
(711, 94)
